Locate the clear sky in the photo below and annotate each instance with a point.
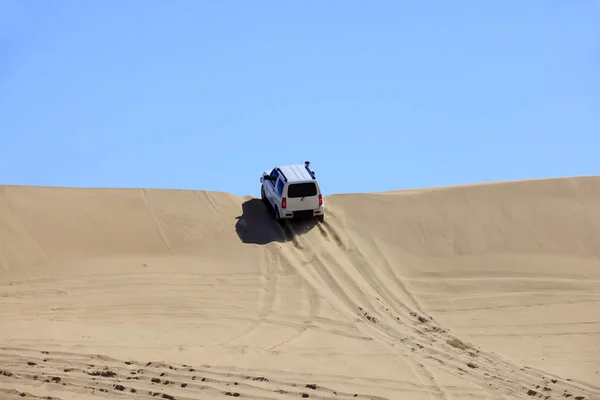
(382, 95)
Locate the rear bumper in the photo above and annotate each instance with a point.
(303, 214)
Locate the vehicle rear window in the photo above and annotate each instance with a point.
(302, 190)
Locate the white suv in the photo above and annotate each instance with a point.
(293, 192)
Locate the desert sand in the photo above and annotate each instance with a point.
(487, 291)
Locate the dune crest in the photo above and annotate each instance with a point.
(481, 291)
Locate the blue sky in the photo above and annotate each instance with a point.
(378, 96)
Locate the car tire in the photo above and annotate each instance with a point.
(276, 215)
(320, 218)
(262, 195)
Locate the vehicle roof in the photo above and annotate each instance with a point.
(296, 173)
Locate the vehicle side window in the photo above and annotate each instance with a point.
(280, 187)
(274, 176)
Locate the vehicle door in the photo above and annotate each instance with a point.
(302, 196)
(270, 186)
(278, 192)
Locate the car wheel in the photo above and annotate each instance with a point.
(262, 195)
(277, 217)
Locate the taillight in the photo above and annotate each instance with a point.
(320, 200)
(283, 202)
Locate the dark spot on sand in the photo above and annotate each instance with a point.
(105, 374)
(119, 387)
(56, 379)
(456, 343)
(155, 380)
(554, 380)
(148, 364)
(31, 363)
(68, 369)
(163, 374)
(304, 394)
(471, 365)
(168, 396)
(128, 362)
(133, 390)
(261, 378)
(22, 394)
(531, 392)
(183, 384)
(311, 386)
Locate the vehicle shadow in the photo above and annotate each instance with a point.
(257, 225)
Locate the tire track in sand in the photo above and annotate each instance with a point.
(30, 371)
(314, 305)
(312, 295)
(336, 292)
(451, 354)
(269, 274)
(161, 232)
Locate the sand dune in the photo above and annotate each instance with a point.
(474, 292)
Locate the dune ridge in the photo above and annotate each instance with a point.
(479, 291)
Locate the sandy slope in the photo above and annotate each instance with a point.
(478, 292)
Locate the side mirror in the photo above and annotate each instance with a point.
(266, 178)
